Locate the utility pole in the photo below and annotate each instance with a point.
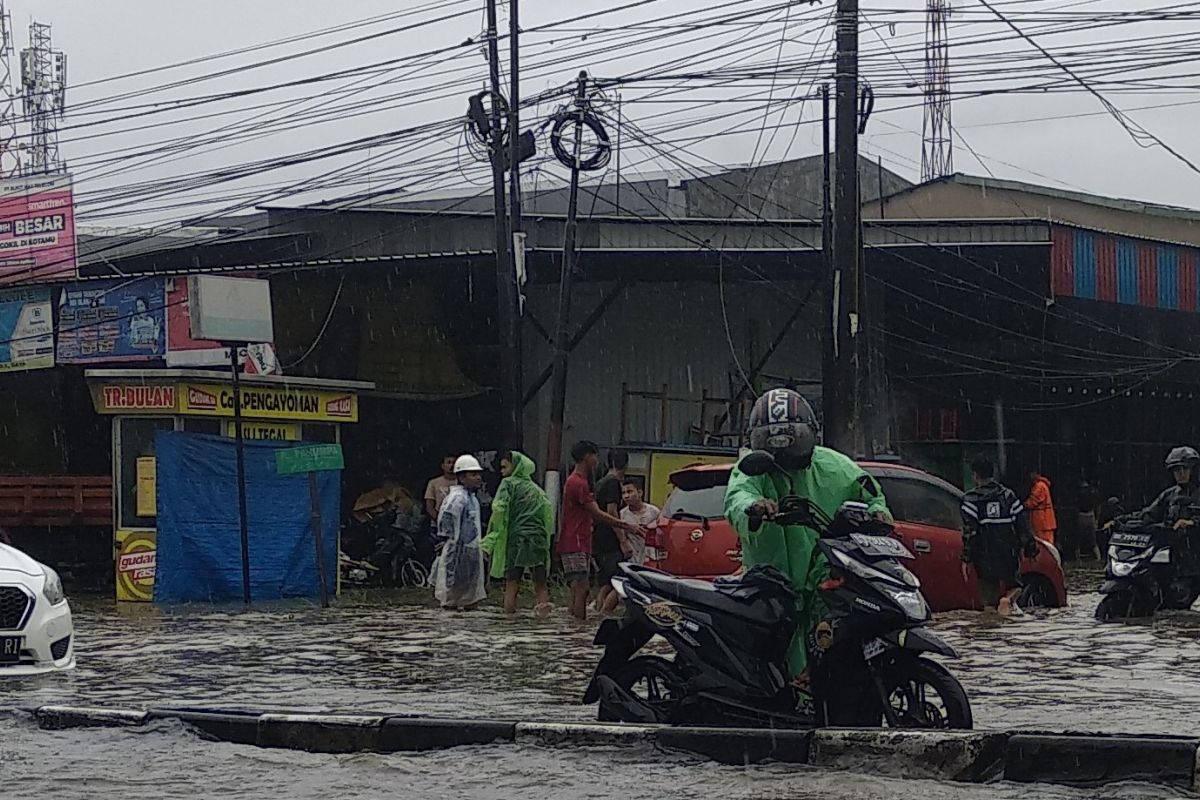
(512, 331)
(505, 274)
(828, 350)
(558, 394)
(843, 430)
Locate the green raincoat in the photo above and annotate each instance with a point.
(521, 525)
(831, 479)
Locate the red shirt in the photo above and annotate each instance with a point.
(575, 530)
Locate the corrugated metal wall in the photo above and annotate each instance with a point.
(664, 333)
(1117, 269)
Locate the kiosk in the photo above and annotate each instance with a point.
(143, 402)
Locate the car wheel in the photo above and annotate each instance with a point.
(1038, 593)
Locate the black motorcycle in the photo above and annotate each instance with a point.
(1146, 573)
(384, 547)
(731, 639)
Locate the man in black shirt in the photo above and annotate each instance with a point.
(609, 547)
(995, 533)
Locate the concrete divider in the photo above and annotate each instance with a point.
(1094, 760)
(971, 756)
(943, 755)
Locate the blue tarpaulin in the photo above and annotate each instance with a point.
(199, 536)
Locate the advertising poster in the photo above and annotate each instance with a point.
(26, 330)
(37, 229)
(117, 320)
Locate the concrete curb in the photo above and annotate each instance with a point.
(963, 756)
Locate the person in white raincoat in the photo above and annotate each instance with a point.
(459, 577)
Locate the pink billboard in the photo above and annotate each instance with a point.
(37, 229)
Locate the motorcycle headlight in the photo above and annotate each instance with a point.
(913, 604)
(53, 588)
(1122, 569)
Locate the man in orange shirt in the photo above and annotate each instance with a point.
(1040, 506)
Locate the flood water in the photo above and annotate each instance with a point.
(1055, 670)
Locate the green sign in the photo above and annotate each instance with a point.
(310, 458)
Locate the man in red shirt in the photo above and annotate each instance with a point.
(579, 511)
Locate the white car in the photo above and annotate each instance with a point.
(36, 633)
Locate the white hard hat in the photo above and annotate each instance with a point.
(467, 463)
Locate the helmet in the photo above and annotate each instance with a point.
(783, 423)
(1182, 457)
(467, 463)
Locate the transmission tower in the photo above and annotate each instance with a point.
(10, 155)
(44, 90)
(937, 146)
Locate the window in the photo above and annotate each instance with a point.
(707, 502)
(136, 441)
(921, 502)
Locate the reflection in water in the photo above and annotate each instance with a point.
(1051, 670)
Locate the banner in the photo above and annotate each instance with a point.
(26, 330)
(37, 229)
(269, 402)
(117, 320)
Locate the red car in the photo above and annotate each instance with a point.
(693, 538)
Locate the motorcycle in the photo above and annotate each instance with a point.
(731, 639)
(1143, 574)
(383, 546)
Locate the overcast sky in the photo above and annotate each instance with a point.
(114, 135)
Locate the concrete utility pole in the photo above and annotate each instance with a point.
(510, 365)
(512, 332)
(842, 426)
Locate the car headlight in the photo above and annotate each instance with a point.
(53, 588)
(913, 603)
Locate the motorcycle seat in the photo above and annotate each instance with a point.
(738, 599)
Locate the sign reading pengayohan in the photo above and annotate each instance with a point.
(37, 229)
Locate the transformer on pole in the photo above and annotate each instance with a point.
(44, 92)
(937, 145)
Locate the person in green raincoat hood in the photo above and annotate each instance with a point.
(518, 537)
(782, 423)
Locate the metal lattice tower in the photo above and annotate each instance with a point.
(937, 147)
(44, 91)
(10, 154)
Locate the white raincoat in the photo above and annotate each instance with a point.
(459, 578)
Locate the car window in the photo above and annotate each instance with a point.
(921, 503)
(708, 502)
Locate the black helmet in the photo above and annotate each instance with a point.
(783, 423)
(1182, 457)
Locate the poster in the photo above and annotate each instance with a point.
(26, 330)
(37, 229)
(147, 482)
(115, 320)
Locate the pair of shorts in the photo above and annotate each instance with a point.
(518, 573)
(607, 565)
(576, 566)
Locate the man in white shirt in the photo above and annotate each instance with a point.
(640, 513)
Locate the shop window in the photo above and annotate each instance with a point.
(135, 443)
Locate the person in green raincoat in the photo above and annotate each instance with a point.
(782, 423)
(518, 537)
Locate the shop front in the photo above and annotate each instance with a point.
(145, 402)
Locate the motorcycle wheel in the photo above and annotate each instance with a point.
(653, 680)
(1124, 605)
(923, 694)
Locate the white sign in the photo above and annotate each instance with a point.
(230, 309)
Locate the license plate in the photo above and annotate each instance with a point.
(1122, 539)
(880, 545)
(10, 648)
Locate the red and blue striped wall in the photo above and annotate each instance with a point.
(1116, 269)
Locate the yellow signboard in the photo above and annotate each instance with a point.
(269, 402)
(663, 464)
(137, 554)
(282, 431)
(147, 487)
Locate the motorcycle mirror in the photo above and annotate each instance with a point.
(757, 462)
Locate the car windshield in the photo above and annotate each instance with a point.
(708, 503)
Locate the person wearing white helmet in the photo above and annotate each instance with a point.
(459, 580)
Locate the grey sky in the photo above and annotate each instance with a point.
(104, 38)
